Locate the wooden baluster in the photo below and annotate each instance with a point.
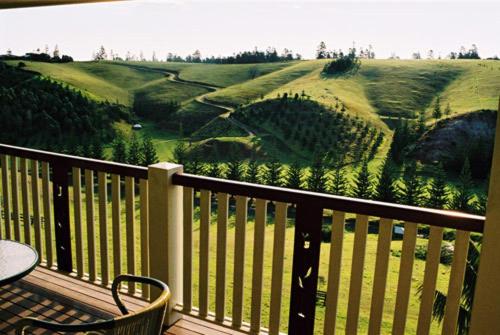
(307, 244)
(61, 216)
(188, 248)
(143, 190)
(89, 199)
(77, 203)
(380, 276)
(457, 273)
(117, 236)
(103, 226)
(258, 264)
(277, 267)
(25, 201)
(220, 284)
(239, 260)
(430, 278)
(404, 281)
(47, 219)
(358, 263)
(6, 196)
(131, 235)
(335, 265)
(35, 192)
(205, 200)
(14, 183)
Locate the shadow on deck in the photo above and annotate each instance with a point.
(52, 296)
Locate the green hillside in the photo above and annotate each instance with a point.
(215, 74)
(250, 90)
(381, 90)
(100, 81)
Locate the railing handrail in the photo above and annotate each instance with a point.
(434, 217)
(75, 161)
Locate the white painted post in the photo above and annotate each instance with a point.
(486, 305)
(165, 232)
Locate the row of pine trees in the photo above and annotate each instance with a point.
(405, 185)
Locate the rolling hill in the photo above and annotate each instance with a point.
(208, 94)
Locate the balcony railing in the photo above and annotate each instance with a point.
(158, 222)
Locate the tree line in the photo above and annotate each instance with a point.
(40, 56)
(388, 184)
(270, 55)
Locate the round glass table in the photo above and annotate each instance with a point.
(16, 261)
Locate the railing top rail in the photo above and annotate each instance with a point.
(74, 161)
(442, 218)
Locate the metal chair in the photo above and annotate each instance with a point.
(148, 321)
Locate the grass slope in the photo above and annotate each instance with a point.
(101, 81)
(163, 90)
(403, 88)
(350, 92)
(476, 88)
(217, 74)
(250, 90)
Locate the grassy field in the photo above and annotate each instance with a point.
(100, 81)
(246, 92)
(216, 74)
(382, 88)
(163, 90)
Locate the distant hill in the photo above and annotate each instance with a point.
(378, 95)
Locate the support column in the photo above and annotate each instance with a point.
(165, 232)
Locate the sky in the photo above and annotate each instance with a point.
(225, 27)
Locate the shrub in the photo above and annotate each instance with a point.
(447, 251)
(348, 64)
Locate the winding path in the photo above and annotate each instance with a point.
(173, 76)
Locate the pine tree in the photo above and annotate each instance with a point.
(412, 188)
(86, 151)
(272, 174)
(119, 150)
(235, 170)
(363, 183)
(462, 196)
(386, 190)
(436, 113)
(98, 150)
(316, 181)
(134, 151)
(438, 192)
(294, 177)
(214, 170)
(149, 152)
(447, 110)
(338, 182)
(195, 167)
(180, 153)
(252, 172)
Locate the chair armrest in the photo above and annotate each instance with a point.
(133, 279)
(22, 324)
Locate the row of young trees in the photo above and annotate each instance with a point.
(388, 184)
(312, 128)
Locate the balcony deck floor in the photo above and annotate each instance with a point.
(52, 296)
